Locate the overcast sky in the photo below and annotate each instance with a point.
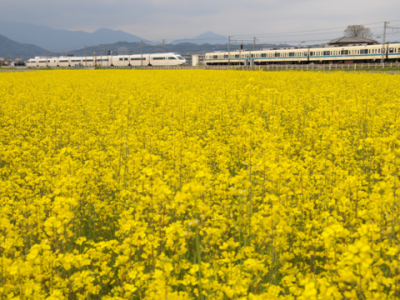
(175, 19)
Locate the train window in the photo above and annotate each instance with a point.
(291, 53)
(236, 55)
(158, 58)
(277, 54)
(391, 50)
(63, 60)
(312, 53)
(33, 62)
(126, 58)
(215, 56)
(363, 51)
(263, 54)
(121, 58)
(327, 52)
(225, 56)
(344, 52)
(171, 57)
(42, 61)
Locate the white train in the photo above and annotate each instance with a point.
(329, 54)
(154, 59)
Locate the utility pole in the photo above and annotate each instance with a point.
(383, 42)
(105, 45)
(240, 54)
(163, 45)
(229, 50)
(141, 53)
(45, 56)
(85, 57)
(130, 53)
(254, 44)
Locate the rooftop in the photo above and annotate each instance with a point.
(346, 40)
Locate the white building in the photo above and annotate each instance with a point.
(198, 59)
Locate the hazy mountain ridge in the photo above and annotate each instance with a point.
(57, 40)
(182, 48)
(208, 37)
(29, 39)
(11, 49)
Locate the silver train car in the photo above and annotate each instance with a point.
(154, 59)
(327, 55)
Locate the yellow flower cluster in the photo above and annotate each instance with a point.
(194, 184)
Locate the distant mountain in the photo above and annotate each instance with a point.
(11, 49)
(62, 40)
(208, 37)
(182, 48)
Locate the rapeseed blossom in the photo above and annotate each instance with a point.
(196, 184)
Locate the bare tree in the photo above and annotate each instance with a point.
(358, 30)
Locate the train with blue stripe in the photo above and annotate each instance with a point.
(327, 55)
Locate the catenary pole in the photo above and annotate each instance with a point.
(85, 57)
(163, 45)
(229, 50)
(383, 42)
(141, 53)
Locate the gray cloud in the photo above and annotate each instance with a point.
(174, 19)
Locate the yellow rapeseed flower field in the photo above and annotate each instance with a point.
(193, 184)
